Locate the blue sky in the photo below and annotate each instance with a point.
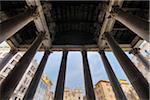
(74, 72)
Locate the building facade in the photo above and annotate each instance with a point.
(103, 90)
(43, 91)
(145, 51)
(73, 94)
(21, 88)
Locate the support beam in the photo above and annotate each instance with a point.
(59, 92)
(40, 21)
(87, 78)
(108, 23)
(135, 24)
(137, 53)
(7, 58)
(9, 27)
(137, 80)
(37, 76)
(112, 77)
(11, 81)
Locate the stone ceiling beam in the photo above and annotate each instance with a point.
(40, 22)
(10, 26)
(109, 22)
(134, 23)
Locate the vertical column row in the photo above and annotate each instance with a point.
(113, 79)
(138, 81)
(13, 78)
(59, 92)
(37, 76)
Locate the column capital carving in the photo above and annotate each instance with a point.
(106, 34)
(134, 51)
(33, 11)
(84, 52)
(65, 52)
(101, 52)
(13, 51)
(115, 11)
(48, 52)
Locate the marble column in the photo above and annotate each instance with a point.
(134, 23)
(137, 80)
(87, 78)
(9, 27)
(11, 81)
(112, 77)
(37, 76)
(59, 92)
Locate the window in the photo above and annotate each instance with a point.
(29, 72)
(15, 98)
(107, 84)
(18, 57)
(33, 68)
(79, 98)
(147, 52)
(21, 87)
(14, 62)
(23, 90)
(97, 92)
(32, 74)
(26, 80)
(7, 70)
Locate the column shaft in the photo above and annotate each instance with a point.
(136, 78)
(9, 27)
(59, 92)
(7, 58)
(135, 24)
(37, 76)
(113, 79)
(11, 81)
(87, 78)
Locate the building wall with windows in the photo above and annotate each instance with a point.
(103, 90)
(73, 94)
(26, 79)
(43, 91)
(145, 51)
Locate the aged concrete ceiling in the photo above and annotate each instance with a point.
(74, 25)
